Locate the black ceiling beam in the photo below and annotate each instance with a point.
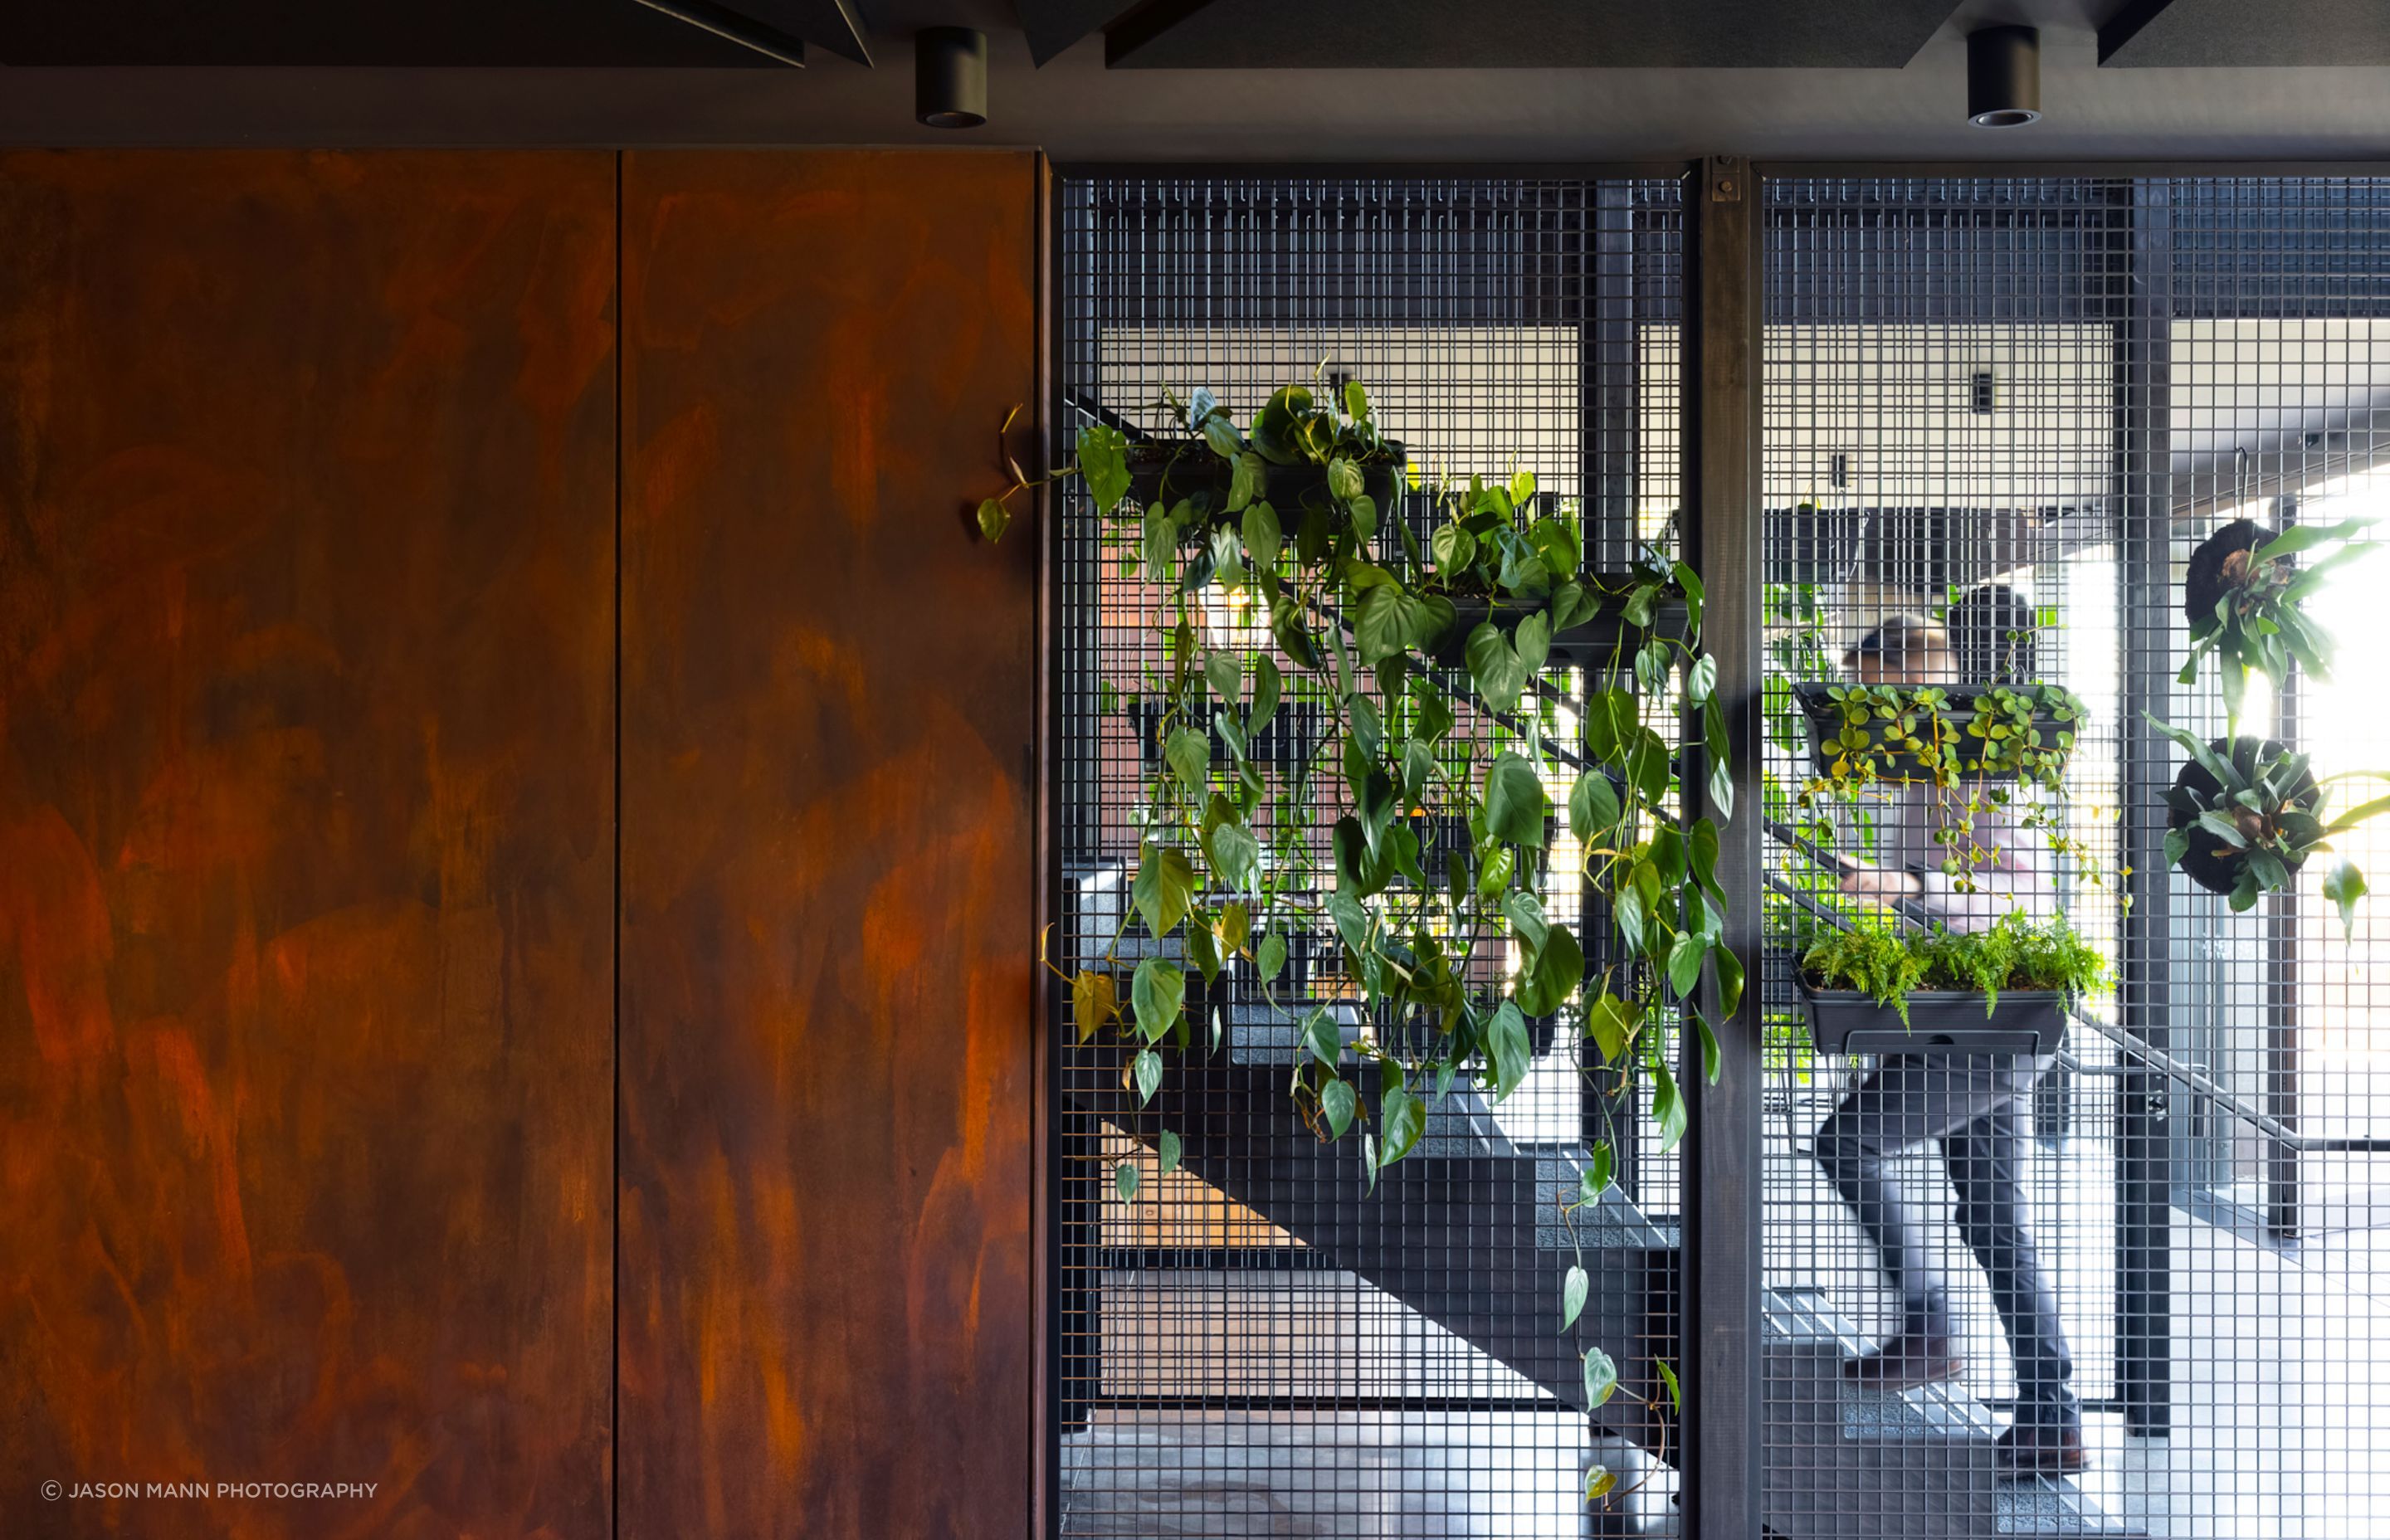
(2127, 24)
(832, 26)
(430, 34)
(1144, 24)
(777, 29)
(1055, 25)
(731, 27)
(2173, 34)
(1510, 34)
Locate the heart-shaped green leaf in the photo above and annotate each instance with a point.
(1572, 1292)
(1507, 1044)
(1600, 1378)
(1269, 957)
(1189, 753)
(1339, 1101)
(1104, 464)
(1165, 888)
(1495, 667)
(1157, 994)
(1515, 801)
(1403, 1118)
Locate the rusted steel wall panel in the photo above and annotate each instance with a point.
(829, 711)
(307, 520)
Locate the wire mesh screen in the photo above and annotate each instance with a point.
(1253, 1344)
(2094, 1256)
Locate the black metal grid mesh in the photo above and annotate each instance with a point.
(1252, 1345)
(2062, 386)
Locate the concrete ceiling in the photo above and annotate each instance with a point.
(1077, 110)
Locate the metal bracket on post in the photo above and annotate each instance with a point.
(1722, 1158)
(1728, 173)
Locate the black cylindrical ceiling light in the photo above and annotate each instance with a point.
(950, 77)
(2003, 77)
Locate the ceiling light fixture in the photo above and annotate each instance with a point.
(950, 77)
(2003, 77)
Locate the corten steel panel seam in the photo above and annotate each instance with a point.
(614, 1356)
(829, 739)
(1722, 1168)
(1045, 878)
(304, 838)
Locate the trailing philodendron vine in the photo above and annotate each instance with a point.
(1477, 690)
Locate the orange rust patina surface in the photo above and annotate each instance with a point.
(307, 490)
(828, 693)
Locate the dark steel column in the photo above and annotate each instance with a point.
(2283, 990)
(1612, 354)
(1722, 1164)
(1608, 464)
(2142, 288)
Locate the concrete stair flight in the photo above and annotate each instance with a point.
(1844, 1464)
(1467, 1231)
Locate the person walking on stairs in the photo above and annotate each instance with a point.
(1970, 1104)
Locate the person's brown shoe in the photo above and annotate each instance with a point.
(2035, 1450)
(1910, 1360)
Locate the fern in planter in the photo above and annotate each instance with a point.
(1893, 966)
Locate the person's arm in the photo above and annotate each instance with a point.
(2021, 873)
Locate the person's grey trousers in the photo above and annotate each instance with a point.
(1973, 1105)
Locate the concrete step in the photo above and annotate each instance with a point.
(1843, 1464)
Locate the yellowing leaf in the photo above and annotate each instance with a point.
(1095, 999)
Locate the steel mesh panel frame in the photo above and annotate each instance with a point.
(2198, 1167)
(1309, 1357)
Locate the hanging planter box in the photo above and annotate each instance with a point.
(1592, 643)
(1194, 473)
(1420, 1038)
(1943, 1021)
(1826, 724)
(2209, 862)
(1287, 739)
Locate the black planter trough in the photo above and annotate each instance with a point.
(1284, 741)
(1594, 642)
(1940, 1021)
(2208, 862)
(1169, 474)
(1825, 718)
